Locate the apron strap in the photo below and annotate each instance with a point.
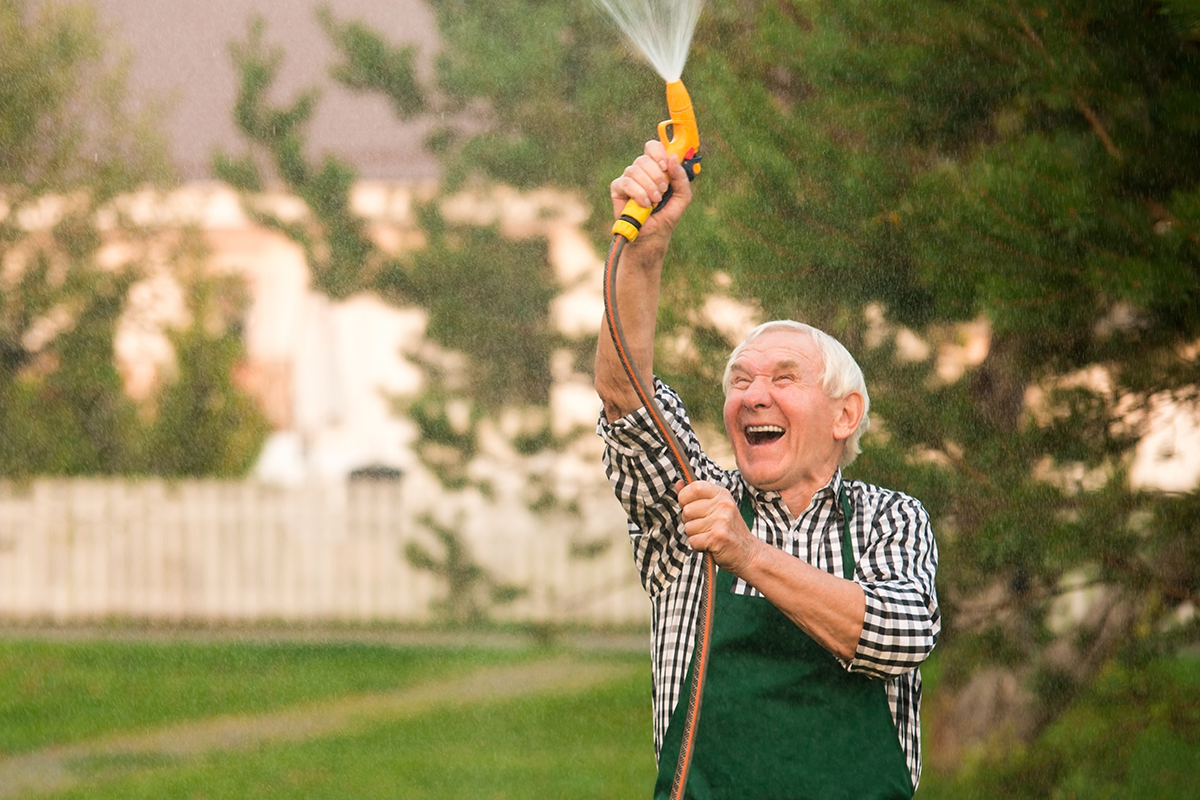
(746, 506)
(847, 544)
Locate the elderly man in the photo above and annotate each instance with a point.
(825, 604)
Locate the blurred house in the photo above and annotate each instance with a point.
(300, 540)
(312, 362)
(180, 54)
(329, 373)
(326, 373)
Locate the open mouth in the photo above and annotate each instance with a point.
(761, 434)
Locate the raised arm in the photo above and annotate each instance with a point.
(645, 180)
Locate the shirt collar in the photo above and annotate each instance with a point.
(827, 492)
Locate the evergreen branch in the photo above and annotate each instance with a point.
(1183, 16)
(1029, 31)
(1098, 127)
(1124, 225)
(780, 250)
(1160, 211)
(1008, 249)
(959, 461)
(371, 64)
(1011, 220)
(1043, 301)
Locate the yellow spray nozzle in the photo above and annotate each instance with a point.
(684, 137)
(681, 137)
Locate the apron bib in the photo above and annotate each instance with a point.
(782, 719)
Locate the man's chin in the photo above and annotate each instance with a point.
(765, 480)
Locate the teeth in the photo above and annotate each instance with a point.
(763, 429)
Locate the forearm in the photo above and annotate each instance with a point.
(637, 292)
(826, 607)
(645, 181)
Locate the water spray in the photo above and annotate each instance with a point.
(662, 31)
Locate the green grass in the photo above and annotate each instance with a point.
(1135, 734)
(66, 692)
(594, 743)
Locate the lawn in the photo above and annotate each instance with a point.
(1135, 734)
(65, 692)
(593, 741)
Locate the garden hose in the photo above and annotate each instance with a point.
(683, 141)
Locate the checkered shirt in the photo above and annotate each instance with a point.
(894, 550)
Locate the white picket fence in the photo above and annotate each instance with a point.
(78, 550)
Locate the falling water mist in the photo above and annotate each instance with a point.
(660, 29)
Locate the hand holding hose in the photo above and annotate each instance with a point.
(646, 181)
(713, 524)
(680, 137)
(643, 182)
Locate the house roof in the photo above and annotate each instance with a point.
(180, 52)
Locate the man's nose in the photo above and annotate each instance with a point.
(758, 393)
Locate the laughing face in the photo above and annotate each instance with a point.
(786, 433)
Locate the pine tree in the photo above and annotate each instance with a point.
(908, 173)
(878, 168)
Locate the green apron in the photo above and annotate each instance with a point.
(781, 718)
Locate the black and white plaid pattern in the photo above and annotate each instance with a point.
(894, 551)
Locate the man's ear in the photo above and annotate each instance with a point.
(848, 413)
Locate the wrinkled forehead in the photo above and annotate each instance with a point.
(777, 350)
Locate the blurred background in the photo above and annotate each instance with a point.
(299, 489)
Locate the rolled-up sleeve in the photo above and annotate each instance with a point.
(902, 620)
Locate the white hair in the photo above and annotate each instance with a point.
(840, 374)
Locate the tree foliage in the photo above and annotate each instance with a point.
(1024, 166)
(65, 120)
(370, 64)
(487, 297)
(471, 589)
(69, 144)
(204, 423)
(895, 172)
